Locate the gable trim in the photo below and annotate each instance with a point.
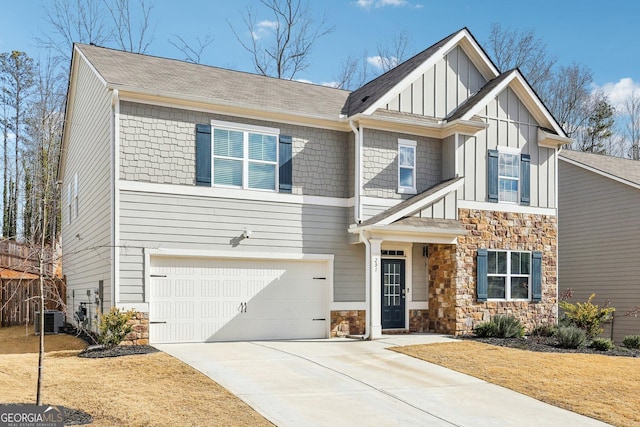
(522, 88)
(600, 172)
(470, 47)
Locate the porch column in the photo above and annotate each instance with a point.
(376, 290)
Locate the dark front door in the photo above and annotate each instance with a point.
(392, 293)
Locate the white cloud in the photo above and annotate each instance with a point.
(368, 4)
(379, 62)
(619, 91)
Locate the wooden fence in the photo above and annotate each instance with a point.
(20, 282)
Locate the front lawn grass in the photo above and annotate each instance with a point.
(142, 390)
(601, 387)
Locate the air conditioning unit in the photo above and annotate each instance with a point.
(53, 321)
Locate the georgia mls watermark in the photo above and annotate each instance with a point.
(31, 416)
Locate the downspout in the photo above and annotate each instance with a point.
(357, 178)
(115, 196)
(558, 150)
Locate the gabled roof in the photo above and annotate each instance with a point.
(626, 171)
(368, 96)
(413, 204)
(515, 80)
(175, 79)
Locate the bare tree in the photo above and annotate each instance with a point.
(80, 21)
(281, 47)
(191, 51)
(353, 73)
(129, 35)
(631, 109)
(523, 50)
(394, 51)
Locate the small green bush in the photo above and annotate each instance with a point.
(486, 330)
(631, 341)
(601, 344)
(544, 330)
(587, 316)
(571, 337)
(500, 327)
(114, 326)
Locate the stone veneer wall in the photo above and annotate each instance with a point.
(140, 333)
(453, 305)
(348, 322)
(418, 320)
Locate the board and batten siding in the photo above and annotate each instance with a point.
(510, 125)
(166, 221)
(598, 243)
(442, 88)
(86, 239)
(157, 144)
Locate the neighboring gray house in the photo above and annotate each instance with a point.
(228, 206)
(599, 234)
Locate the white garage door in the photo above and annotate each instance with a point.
(198, 300)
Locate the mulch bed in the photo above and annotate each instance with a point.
(97, 351)
(550, 345)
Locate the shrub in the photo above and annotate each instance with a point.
(631, 341)
(587, 316)
(544, 330)
(601, 344)
(500, 327)
(571, 337)
(114, 326)
(486, 330)
(508, 327)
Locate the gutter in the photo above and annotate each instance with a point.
(357, 179)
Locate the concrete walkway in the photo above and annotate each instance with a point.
(347, 382)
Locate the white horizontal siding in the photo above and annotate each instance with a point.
(598, 235)
(158, 221)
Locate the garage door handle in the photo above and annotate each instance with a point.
(319, 319)
(157, 323)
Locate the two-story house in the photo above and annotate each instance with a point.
(230, 206)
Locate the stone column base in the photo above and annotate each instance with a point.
(348, 322)
(418, 320)
(140, 333)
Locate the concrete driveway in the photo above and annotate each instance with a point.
(347, 382)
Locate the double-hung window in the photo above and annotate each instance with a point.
(406, 166)
(243, 156)
(509, 176)
(509, 275)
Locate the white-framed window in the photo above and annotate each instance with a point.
(244, 156)
(406, 166)
(508, 175)
(509, 275)
(76, 209)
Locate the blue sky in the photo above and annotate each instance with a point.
(601, 35)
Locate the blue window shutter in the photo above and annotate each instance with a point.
(536, 276)
(286, 166)
(492, 176)
(525, 179)
(203, 154)
(482, 272)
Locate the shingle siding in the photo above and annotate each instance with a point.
(157, 145)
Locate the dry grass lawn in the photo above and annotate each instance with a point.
(141, 390)
(601, 387)
(21, 339)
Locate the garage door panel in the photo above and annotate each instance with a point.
(227, 300)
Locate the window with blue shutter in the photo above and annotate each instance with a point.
(492, 178)
(203, 154)
(482, 275)
(525, 184)
(536, 276)
(285, 164)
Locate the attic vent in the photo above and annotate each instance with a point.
(365, 98)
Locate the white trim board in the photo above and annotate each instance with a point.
(234, 193)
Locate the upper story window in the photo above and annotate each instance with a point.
(508, 177)
(406, 166)
(243, 156)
